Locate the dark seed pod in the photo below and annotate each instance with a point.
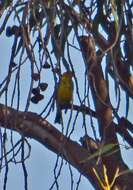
(36, 76)
(46, 65)
(9, 31)
(39, 97)
(34, 100)
(43, 86)
(13, 64)
(36, 91)
(14, 30)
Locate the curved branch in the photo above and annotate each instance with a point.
(32, 125)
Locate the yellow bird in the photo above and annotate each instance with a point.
(64, 94)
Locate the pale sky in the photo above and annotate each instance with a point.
(41, 163)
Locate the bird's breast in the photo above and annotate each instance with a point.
(65, 95)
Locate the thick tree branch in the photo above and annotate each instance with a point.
(31, 125)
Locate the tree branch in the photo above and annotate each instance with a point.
(83, 109)
(122, 128)
(31, 125)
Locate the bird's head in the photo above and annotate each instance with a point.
(68, 74)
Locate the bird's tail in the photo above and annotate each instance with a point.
(58, 117)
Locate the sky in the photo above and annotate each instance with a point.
(41, 163)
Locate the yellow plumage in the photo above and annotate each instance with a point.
(64, 93)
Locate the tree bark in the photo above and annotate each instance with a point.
(31, 125)
(104, 112)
